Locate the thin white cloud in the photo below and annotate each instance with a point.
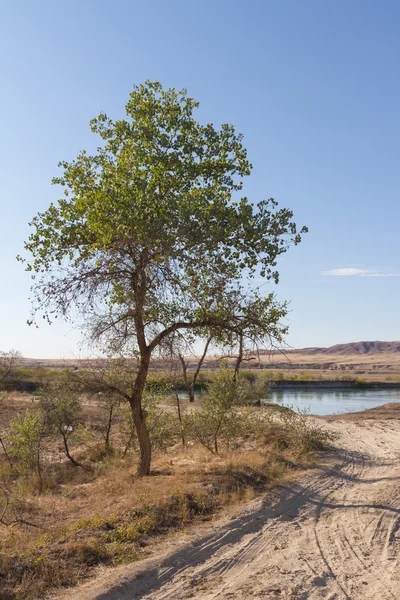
(382, 275)
(354, 272)
(346, 272)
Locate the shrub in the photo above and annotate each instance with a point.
(295, 430)
(220, 418)
(111, 406)
(26, 435)
(61, 409)
(163, 426)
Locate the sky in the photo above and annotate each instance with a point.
(314, 87)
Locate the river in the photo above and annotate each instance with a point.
(330, 402)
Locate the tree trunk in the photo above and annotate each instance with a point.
(239, 358)
(199, 365)
(108, 429)
(5, 452)
(139, 417)
(39, 470)
(191, 392)
(178, 403)
(190, 386)
(216, 433)
(67, 453)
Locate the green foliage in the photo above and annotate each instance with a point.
(61, 409)
(304, 432)
(163, 426)
(287, 428)
(151, 237)
(157, 197)
(219, 418)
(305, 376)
(9, 362)
(248, 388)
(110, 404)
(26, 434)
(164, 380)
(61, 406)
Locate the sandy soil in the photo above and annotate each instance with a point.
(334, 534)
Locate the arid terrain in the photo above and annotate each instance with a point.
(368, 356)
(334, 533)
(372, 361)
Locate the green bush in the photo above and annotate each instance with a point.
(61, 408)
(220, 418)
(163, 426)
(26, 435)
(290, 429)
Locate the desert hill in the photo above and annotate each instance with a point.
(361, 358)
(354, 348)
(372, 360)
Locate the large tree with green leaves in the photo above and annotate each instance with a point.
(152, 236)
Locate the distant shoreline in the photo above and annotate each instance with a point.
(333, 385)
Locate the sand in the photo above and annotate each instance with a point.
(334, 534)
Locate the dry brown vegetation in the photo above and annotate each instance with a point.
(102, 514)
(333, 533)
(366, 361)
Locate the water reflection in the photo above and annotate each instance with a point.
(325, 402)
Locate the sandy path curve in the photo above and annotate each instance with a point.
(333, 535)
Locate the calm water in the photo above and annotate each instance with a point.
(330, 402)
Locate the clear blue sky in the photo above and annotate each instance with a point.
(314, 87)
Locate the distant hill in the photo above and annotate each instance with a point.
(355, 348)
(354, 352)
(359, 356)
(345, 349)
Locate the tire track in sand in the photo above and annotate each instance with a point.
(334, 535)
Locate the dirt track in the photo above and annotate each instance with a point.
(334, 535)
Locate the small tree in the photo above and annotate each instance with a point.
(109, 383)
(9, 361)
(110, 405)
(219, 418)
(61, 409)
(243, 355)
(3, 446)
(163, 426)
(26, 436)
(151, 237)
(3, 441)
(190, 381)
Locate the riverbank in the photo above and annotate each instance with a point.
(30, 378)
(333, 384)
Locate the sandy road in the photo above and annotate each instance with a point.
(333, 535)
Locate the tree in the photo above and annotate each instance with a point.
(242, 354)
(163, 426)
(262, 325)
(220, 418)
(61, 409)
(26, 436)
(3, 442)
(151, 236)
(190, 382)
(9, 361)
(110, 405)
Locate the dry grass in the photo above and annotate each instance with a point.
(374, 367)
(87, 518)
(103, 514)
